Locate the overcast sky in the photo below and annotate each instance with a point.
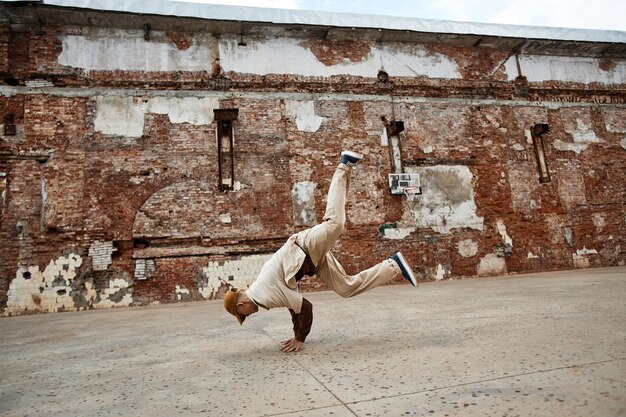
(585, 14)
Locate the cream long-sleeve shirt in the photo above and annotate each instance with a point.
(276, 284)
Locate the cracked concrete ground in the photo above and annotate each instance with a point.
(550, 344)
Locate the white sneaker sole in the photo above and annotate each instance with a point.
(408, 269)
(352, 154)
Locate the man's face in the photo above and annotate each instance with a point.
(247, 308)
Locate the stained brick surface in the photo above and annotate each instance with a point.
(72, 186)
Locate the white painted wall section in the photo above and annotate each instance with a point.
(115, 285)
(582, 135)
(447, 200)
(124, 116)
(304, 114)
(48, 290)
(397, 233)
(491, 264)
(100, 253)
(539, 68)
(506, 239)
(580, 257)
(440, 272)
(303, 195)
(467, 248)
(127, 50)
(293, 57)
(238, 273)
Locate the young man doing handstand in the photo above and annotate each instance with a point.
(307, 253)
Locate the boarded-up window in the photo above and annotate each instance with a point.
(542, 166)
(225, 119)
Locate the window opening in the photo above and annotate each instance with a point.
(3, 190)
(542, 166)
(9, 125)
(225, 119)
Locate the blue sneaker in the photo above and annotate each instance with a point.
(350, 158)
(407, 272)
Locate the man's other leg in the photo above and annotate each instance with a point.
(331, 273)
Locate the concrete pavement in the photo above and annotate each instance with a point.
(550, 344)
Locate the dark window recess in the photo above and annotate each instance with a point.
(542, 166)
(394, 128)
(140, 243)
(3, 190)
(225, 119)
(9, 125)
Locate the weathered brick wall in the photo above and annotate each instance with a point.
(111, 190)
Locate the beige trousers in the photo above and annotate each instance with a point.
(318, 241)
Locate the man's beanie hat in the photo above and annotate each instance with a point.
(230, 304)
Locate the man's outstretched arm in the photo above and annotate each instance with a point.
(301, 327)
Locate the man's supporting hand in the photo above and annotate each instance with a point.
(291, 345)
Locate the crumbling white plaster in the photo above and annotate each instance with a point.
(583, 133)
(48, 290)
(518, 147)
(539, 68)
(268, 56)
(580, 259)
(127, 50)
(90, 294)
(492, 264)
(583, 136)
(304, 114)
(599, 221)
(192, 110)
(100, 253)
(181, 291)
(427, 149)
(573, 147)
(623, 143)
(529, 136)
(38, 83)
(124, 116)
(3, 179)
(44, 195)
(115, 285)
(467, 248)
(506, 239)
(226, 218)
(396, 153)
(531, 256)
(569, 235)
(585, 251)
(447, 200)
(441, 272)
(384, 140)
(144, 268)
(397, 233)
(238, 273)
(303, 195)
(614, 119)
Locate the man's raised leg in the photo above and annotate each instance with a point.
(319, 239)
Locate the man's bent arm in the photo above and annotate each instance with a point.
(302, 322)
